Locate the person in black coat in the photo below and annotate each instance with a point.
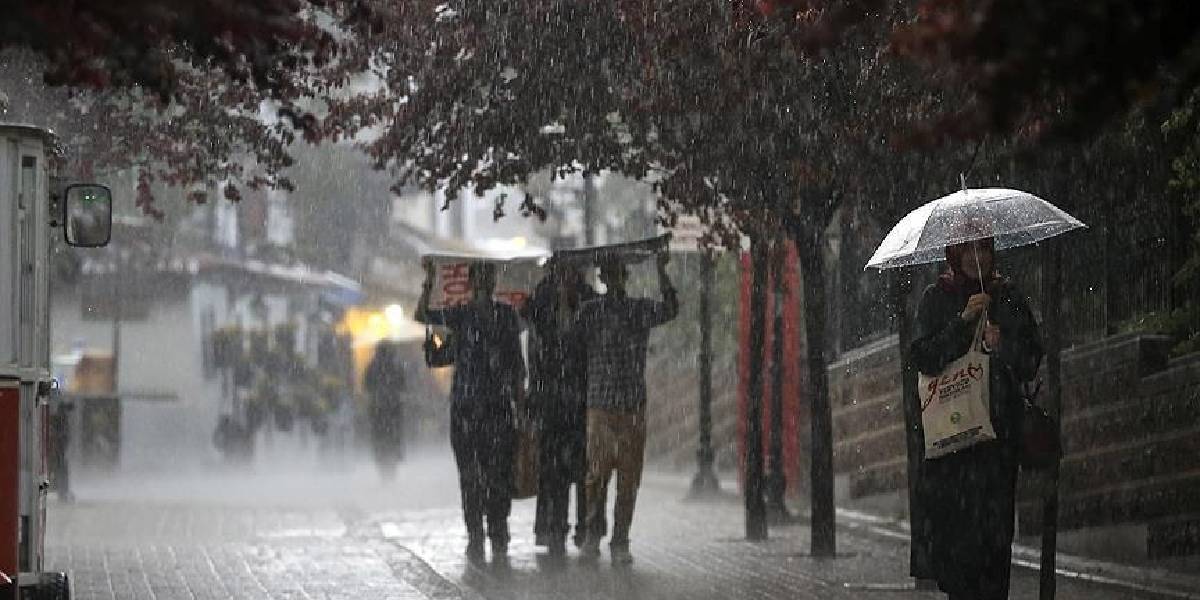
(557, 385)
(969, 496)
(385, 383)
(489, 371)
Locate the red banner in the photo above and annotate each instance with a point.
(795, 411)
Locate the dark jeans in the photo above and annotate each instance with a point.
(483, 449)
(560, 465)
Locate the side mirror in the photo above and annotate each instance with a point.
(87, 212)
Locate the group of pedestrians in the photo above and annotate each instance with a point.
(586, 396)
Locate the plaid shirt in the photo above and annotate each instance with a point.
(616, 332)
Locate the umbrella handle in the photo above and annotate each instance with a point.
(978, 269)
(982, 318)
(979, 343)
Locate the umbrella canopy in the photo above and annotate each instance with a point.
(1012, 217)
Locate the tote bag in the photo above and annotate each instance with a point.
(956, 403)
(525, 452)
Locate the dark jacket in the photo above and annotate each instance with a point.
(488, 366)
(384, 378)
(969, 497)
(557, 358)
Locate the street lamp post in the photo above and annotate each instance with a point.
(705, 482)
(1052, 335)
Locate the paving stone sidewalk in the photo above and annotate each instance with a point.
(694, 551)
(349, 537)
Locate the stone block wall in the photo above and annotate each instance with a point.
(1131, 435)
(868, 419)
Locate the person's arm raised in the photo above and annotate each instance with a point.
(670, 303)
(421, 314)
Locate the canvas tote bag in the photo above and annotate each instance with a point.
(956, 403)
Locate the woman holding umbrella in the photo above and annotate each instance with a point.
(969, 495)
(964, 500)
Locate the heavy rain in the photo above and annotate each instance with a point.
(542, 299)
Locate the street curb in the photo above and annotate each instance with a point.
(409, 567)
(1146, 581)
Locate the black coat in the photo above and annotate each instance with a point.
(558, 361)
(968, 497)
(385, 379)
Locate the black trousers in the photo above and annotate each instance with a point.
(562, 463)
(483, 440)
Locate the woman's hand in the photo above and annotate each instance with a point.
(991, 335)
(975, 306)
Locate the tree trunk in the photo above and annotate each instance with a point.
(756, 511)
(589, 210)
(776, 482)
(810, 241)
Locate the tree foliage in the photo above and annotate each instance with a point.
(734, 106)
(150, 43)
(728, 109)
(193, 93)
(475, 94)
(1056, 68)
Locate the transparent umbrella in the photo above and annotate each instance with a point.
(1012, 217)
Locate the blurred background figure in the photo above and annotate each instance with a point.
(386, 385)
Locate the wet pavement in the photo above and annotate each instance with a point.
(305, 535)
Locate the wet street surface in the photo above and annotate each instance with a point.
(293, 535)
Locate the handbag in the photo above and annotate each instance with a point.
(1041, 440)
(525, 464)
(956, 403)
(525, 455)
(438, 352)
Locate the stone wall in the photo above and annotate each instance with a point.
(1131, 434)
(868, 419)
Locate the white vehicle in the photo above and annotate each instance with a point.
(29, 214)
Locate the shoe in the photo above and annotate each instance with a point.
(557, 547)
(620, 555)
(541, 539)
(499, 549)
